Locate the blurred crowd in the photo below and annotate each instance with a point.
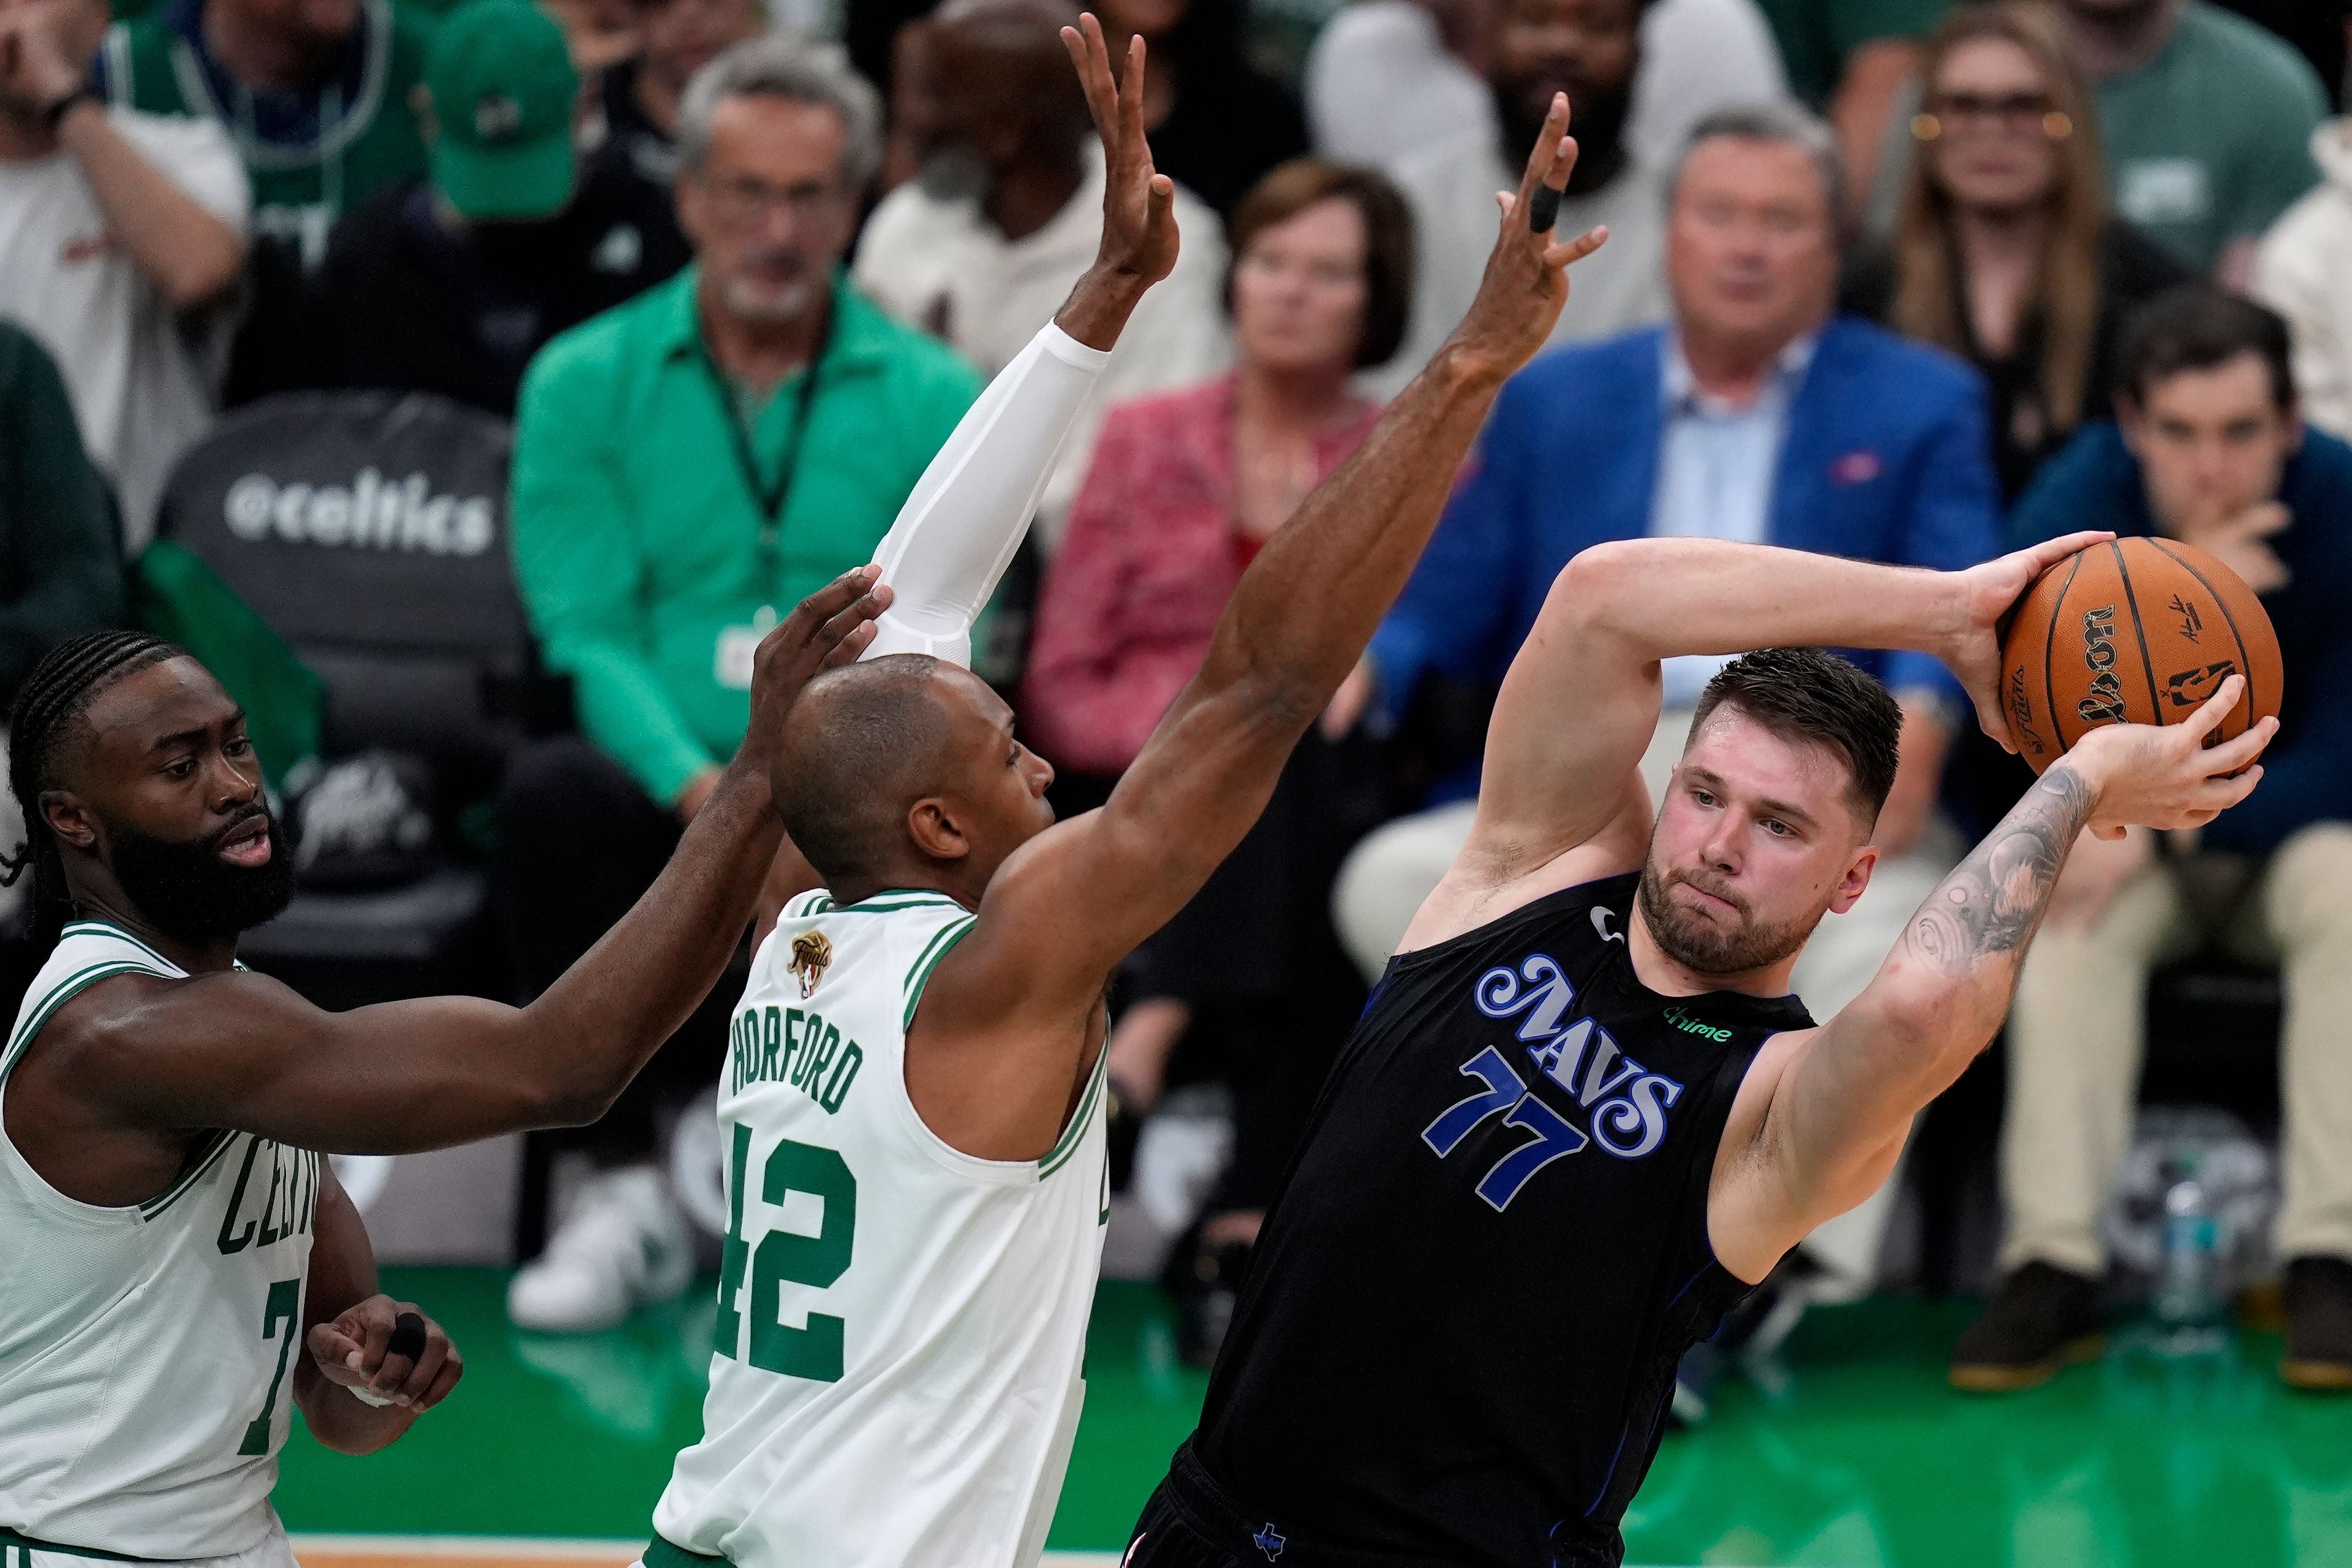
(1913, 280)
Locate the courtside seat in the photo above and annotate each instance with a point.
(369, 531)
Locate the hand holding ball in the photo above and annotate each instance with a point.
(2134, 631)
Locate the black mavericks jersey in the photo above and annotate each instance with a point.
(1459, 1336)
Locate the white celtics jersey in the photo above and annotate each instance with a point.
(901, 1325)
(146, 1352)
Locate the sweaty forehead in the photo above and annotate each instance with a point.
(970, 703)
(1754, 761)
(148, 706)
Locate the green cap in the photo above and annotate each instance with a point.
(503, 93)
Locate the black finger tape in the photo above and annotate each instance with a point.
(1543, 211)
(407, 1336)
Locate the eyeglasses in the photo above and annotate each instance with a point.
(743, 200)
(2015, 113)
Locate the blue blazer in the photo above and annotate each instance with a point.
(1886, 459)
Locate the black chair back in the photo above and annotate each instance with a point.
(369, 529)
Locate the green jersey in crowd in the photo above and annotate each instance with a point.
(2211, 141)
(312, 154)
(663, 519)
(1818, 36)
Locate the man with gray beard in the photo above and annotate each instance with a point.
(985, 244)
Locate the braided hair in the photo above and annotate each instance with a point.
(60, 688)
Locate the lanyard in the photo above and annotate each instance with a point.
(772, 499)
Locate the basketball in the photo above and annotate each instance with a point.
(2134, 631)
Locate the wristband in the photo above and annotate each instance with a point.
(54, 115)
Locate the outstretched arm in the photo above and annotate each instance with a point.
(1823, 1112)
(1582, 698)
(1011, 1000)
(239, 1049)
(959, 530)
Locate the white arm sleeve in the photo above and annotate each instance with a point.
(958, 531)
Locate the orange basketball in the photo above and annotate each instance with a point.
(2135, 631)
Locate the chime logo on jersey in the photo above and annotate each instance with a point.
(1627, 1102)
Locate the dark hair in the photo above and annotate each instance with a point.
(1805, 694)
(1210, 35)
(1291, 189)
(2198, 327)
(53, 698)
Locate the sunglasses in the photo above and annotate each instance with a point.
(2016, 113)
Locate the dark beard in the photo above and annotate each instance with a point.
(1702, 949)
(185, 889)
(954, 174)
(1596, 122)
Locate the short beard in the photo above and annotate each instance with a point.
(185, 889)
(1599, 129)
(769, 309)
(1701, 948)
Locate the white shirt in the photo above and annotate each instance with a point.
(942, 266)
(144, 379)
(1717, 465)
(1381, 85)
(1451, 189)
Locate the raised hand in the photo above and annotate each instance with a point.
(831, 626)
(1988, 592)
(2170, 775)
(1526, 280)
(1139, 241)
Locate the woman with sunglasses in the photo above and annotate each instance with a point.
(2004, 251)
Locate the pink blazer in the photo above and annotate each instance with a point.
(1128, 603)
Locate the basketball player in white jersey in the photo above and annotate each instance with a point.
(181, 1268)
(170, 1225)
(911, 1108)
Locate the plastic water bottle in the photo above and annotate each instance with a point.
(2190, 1313)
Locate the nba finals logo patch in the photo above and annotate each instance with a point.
(812, 956)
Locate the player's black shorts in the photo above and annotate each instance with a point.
(1192, 1522)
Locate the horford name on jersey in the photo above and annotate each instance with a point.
(371, 512)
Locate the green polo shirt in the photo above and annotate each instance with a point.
(644, 547)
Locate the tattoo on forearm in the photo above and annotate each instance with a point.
(1992, 903)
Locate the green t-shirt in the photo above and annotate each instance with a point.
(1818, 36)
(644, 550)
(356, 135)
(2211, 141)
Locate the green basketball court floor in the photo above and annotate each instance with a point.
(1856, 1455)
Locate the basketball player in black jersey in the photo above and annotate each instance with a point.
(1582, 1116)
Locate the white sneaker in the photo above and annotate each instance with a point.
(624, 1244)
